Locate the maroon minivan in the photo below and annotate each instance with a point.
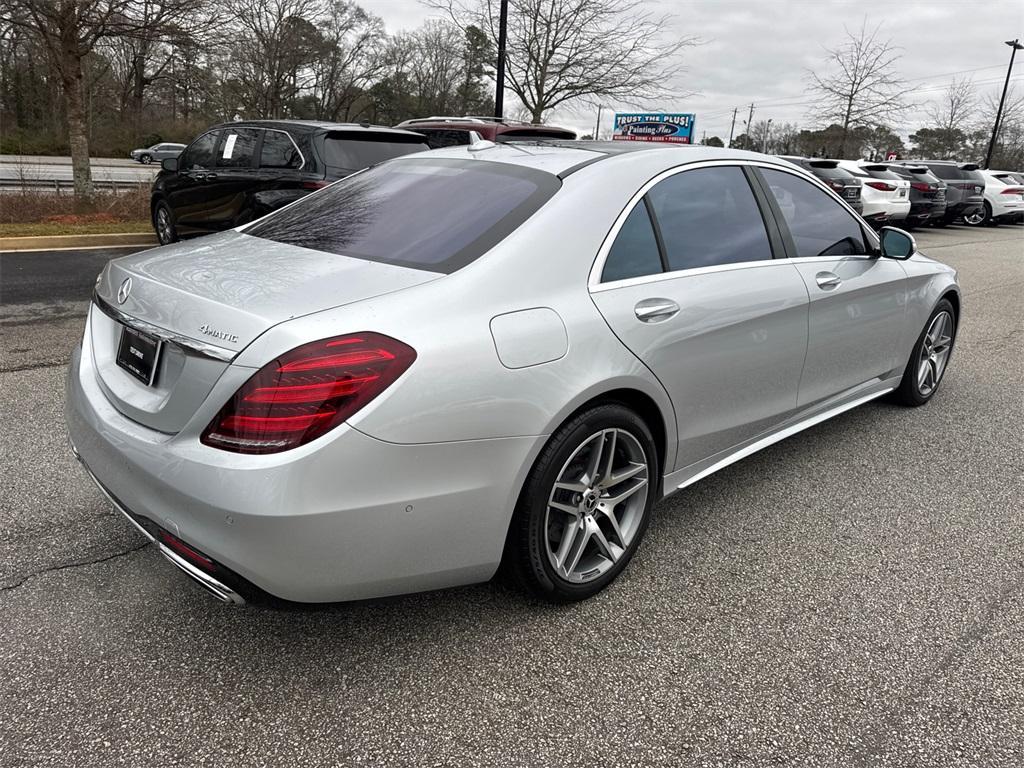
(457, 131)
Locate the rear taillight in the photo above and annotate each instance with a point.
(836, 184)
(307, 392)
(314, 184)
(920, 186)
(883, 186)
(1013, 191)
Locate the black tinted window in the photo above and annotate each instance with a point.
(882, 174)
(949, 172)
(432, 214)
(635, 251)
(437, 138)
(279, 151)
(819, 225)
(707, 217)
(201, 153)
(348, 154)
(237, 148)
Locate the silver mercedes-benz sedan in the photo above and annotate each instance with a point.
(500, 355)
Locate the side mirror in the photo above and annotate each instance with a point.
(897, 244)
(169, 164)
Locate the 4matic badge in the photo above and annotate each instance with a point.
(205, 328)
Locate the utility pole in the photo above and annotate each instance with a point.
(1014, 47)
(750, 121)
(767, 130)
(499, 88)
(733, 126)
(597, 125)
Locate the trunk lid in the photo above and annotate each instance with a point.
(208, 299)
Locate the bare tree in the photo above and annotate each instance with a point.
(561, 51)
(956, 106)
(353, 57)
(860, 88)
(70, 30)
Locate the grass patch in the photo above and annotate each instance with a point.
(45, 228)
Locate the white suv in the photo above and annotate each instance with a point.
(1004, 200)
(886, 197)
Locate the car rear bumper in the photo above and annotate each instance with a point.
(1007, 210)
(345, 517)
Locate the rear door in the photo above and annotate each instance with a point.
(233, 181)
(690, 285)
(857, 299)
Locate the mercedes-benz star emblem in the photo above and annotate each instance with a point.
(124, 290)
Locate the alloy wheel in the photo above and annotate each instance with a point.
(597, 505)
(935, 349)
(976, 218)
(164, 229)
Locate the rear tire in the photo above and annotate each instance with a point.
(982, 218)
(585, 505)
(164, 224)
(929, 358)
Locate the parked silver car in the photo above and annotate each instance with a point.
(484, 355)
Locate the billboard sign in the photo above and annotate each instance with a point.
(675, 127)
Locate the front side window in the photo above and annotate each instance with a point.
(279, 151)
(819, 225)
(635, 250)
(708, 217)
(201, 152)
(238, 148)
(436, 214)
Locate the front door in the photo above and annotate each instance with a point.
(857, 299)
(691, 287)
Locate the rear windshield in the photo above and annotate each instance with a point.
(917, 173)
(436, 214)
(348, 152)
(831, 173)
(535, 133)
(881, 173)
(950, 172)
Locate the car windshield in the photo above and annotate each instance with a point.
(348, 152)
(436, 214)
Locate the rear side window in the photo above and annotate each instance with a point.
(279, 151)
(237, 148)
(819, 225)
(436, 214)
(348, 153)
(707, 217)
(635, 251)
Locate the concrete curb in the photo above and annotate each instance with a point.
(56, 242)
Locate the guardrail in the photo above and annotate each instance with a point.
(59, 185)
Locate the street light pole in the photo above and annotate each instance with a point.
(1014, 47)
(499, 88)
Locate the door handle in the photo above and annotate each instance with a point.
(655, 310)
(828, 280)
(209, 176)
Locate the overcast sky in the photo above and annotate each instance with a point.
(760, 50)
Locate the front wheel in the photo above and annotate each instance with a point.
(585, 505)
(163, 223)
(930, 357)
(146, 159)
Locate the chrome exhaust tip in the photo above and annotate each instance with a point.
(220, 591)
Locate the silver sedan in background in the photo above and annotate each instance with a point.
(494, 355)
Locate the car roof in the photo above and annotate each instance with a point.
(562, 157)
(313, 125)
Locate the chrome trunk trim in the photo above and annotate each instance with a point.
(192, 345)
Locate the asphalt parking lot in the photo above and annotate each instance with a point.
(853, 596)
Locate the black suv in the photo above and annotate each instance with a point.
(845, 184)
(927, 194)
(237, 172)
(965, 188)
